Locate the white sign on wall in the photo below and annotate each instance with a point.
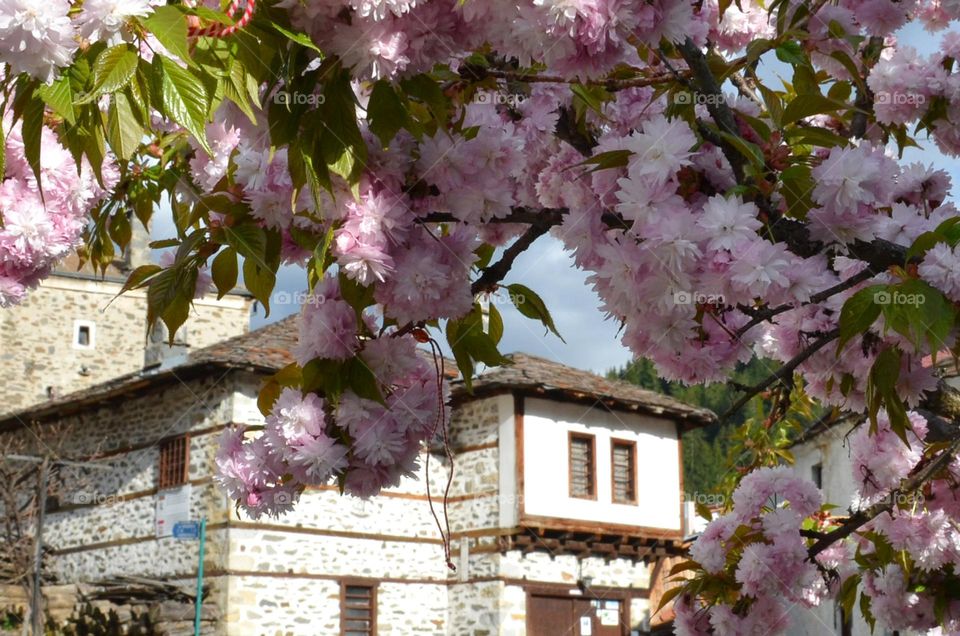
(173, 506)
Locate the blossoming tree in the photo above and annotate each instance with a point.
(405, 152)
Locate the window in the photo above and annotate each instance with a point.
(174, 462)
(623, 462)
(583, 471)
(816, 474)
(84, 333)
(358, 609)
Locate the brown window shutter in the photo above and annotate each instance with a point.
(582, 468)
(174, 462)
(623, 458)
(358, 609)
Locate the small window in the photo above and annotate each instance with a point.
(623, 461)
(174, 462)
(816, 474)
(358, 609)
(84, 333)
(583, 472)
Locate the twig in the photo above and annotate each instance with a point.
(783, 372)
(766, 314)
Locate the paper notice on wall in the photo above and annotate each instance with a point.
(609, 617)
(173, 506)
(586, 626)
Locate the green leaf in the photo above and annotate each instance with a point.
(791, 53)
(300, 38)
(460, 353)
(30, 133)
(427, 90)
(184, 98)
(386, 113)
(138, 276)
(259, 281)
(59, 97)
(494, 324)
(807, 105)
(248, 240)
(858, 313)
(341, 143)
(750, 151)
(169, 24)
(112, 71)
(529, 304)
(224, 272)
(362, 381)
(124, 132)
(609, 159)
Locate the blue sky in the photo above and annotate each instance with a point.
(592, 341)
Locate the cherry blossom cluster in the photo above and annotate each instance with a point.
(759, 543)
(308, 440)
(771, 566)
(40, 229)
(39, 37)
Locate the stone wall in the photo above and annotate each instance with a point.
(283, 576)
(40, 357)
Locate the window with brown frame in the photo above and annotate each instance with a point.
(174, 462)
(358, 609)
(623, 462)
(583, 466)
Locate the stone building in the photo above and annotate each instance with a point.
(566, 499)
(74, 331)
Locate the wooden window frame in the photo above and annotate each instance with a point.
(593, 464)
(368, 583)
(167, 476)
(632, 444)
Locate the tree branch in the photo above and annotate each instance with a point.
(768, 313)
(783, 373)
(495, 273)
(908, 486)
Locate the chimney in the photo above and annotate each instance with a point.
(159, 354)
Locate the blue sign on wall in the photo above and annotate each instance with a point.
(186, 530)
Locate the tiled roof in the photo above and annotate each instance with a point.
(270, 348)
(532, 374)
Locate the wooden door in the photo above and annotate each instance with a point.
(574, 616)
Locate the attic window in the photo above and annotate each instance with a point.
(816, 475)
(84, 333)
(623, 460)
(583, 466)
(174, 462)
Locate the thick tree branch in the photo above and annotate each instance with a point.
(496, 272)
